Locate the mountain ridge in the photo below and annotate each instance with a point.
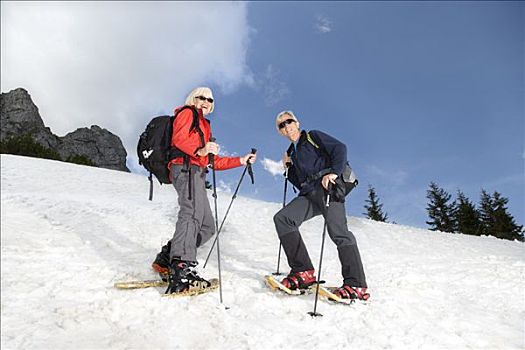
(20, 117)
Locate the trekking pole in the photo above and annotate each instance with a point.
(211, 159)
(327, 204)
(277, 273)
(248, 167)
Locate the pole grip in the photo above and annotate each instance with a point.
(211, 156)
(329, 190)
(249, 166)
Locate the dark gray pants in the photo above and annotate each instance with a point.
(287, 222)
(195, 222)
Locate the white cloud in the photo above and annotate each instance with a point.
(323, 24)
(273, 167)
(223, 152)
(117, 64)
(224, 186)
(274, 88)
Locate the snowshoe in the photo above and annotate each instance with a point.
(182, 278)
(299, 280)
(351, 293)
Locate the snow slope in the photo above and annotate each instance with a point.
(68, 232)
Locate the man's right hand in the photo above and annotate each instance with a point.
(210, 147)
(286, 160)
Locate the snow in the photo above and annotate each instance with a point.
(68, 232)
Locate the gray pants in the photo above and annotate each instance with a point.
(195, 222)
(287, 222)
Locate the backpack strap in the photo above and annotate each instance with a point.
(348, 174)
(289, 153)
(323, 172)
(290, 149)
(150, 178)
(177, 153)
(311, 140)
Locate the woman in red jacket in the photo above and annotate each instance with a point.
(195, 223)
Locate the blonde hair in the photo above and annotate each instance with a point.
(200, 91)
(280, 115)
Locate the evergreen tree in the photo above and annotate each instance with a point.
(496, 221)
(466, 216)
(80, 159)
(440, 212)
(486, 213)
(25, 145)
(374, 210)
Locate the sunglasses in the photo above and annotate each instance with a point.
(286, 122)
(202, 98)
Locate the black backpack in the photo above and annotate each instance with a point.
(154, 147)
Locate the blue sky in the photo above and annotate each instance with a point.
(419, 91)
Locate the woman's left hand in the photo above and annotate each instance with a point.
(250, 157)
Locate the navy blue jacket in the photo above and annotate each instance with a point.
(308, 161)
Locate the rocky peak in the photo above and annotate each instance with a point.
(19, 116)
(99, 145)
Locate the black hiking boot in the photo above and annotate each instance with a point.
(162, 261)
(183, 278)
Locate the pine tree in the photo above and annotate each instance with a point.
(25, 145)
(466, 216)
(441, 213)
(486, 213)
(374, 210)
(496, 221)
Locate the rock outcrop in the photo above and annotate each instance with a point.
(99, 145)
(19, 116)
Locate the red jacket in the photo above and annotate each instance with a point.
(190, 142)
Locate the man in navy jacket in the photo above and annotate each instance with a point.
(315, 160)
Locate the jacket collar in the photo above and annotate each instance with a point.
(303, 138)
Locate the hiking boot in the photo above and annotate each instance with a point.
(299, 280)
(162, 261)
(352, 293)
(182, 277)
